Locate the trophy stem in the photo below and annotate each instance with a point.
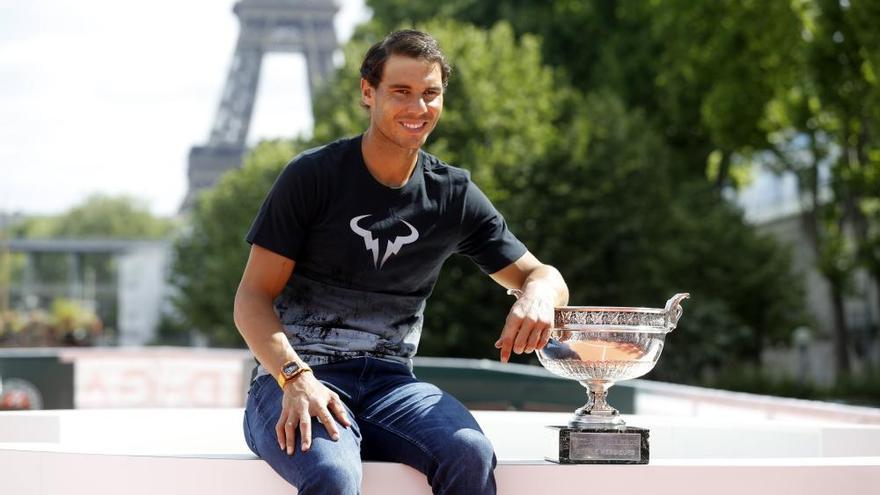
(596, 411)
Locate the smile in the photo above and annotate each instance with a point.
(413, 126)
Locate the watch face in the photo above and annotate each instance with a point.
(289, 369)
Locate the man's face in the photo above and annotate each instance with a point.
(406, 105)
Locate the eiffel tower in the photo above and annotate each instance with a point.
(304, 26)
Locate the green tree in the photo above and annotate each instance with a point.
(606, 211)
(98, 216)
(701, 71)
(845, 54)
(822, 127)
(210, 256)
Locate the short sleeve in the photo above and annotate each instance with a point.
(485, 236)
(282, 223)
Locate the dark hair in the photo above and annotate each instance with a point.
(408, 42)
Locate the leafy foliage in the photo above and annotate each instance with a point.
(701, 71)
(99, 216)
(822, 127)
(211, 255)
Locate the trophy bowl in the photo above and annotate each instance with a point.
(599, 346)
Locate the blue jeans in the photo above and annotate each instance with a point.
(395, 418)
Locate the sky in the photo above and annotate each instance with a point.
(104, 96)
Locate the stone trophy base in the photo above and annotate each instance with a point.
(599, 445)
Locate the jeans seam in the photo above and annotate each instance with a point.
(402, 435)
(258, 409)
(262, 418)
(249, 437)
(360, 380)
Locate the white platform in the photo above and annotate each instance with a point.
(194, 451)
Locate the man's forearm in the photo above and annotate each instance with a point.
(547, 277)
(262, 331)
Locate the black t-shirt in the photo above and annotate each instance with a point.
(367, 255)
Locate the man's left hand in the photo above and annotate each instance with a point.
(529, 321)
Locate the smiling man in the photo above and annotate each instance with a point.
(367, 223)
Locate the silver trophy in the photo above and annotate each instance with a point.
(600, 346)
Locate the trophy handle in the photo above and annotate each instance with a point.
(673, 309)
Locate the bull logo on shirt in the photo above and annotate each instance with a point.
(372, 244)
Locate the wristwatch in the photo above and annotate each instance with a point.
(289, 371)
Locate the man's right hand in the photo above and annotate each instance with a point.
(303, 398)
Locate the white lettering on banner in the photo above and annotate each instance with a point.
(149, 381)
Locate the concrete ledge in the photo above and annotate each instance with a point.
(201, 451)
(43, 473)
